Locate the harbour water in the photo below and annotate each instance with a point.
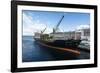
(32, 52)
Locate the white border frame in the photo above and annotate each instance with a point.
(53, 63)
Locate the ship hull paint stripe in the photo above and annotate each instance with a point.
(63, 49)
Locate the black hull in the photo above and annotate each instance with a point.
(61, 43)
(60, 47)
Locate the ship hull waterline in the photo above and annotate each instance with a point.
(60, 50)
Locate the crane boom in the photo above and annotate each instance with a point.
(43, 31)
(55, 29)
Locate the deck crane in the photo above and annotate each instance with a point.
(56, 28)
(43, 30)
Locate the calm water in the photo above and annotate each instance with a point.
(32, 51)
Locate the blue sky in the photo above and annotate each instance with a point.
(35, 21)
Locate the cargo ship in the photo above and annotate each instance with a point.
(65, 41)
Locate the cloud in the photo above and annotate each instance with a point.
(30, 26)
(27, 20)
(82, 27)
(48, 30)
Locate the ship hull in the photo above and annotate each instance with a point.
(61, 47)
(61, 43)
